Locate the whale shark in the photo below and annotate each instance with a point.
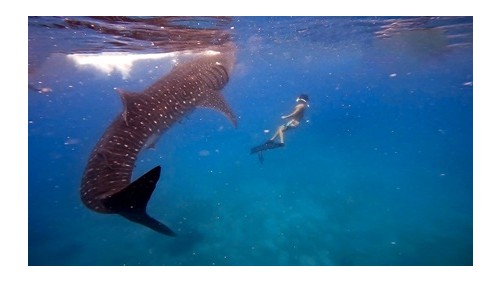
(107, 185)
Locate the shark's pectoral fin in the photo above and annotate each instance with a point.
(216, 101)
(131, 202)
(128, 99)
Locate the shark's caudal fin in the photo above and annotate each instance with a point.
(132, 201)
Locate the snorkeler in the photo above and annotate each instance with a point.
(295, 118)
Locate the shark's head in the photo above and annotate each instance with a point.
(223, 55)
(228, 55)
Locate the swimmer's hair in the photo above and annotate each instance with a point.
(304, 97)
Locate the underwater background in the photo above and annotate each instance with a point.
(379, 174)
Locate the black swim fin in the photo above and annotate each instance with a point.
(132, 201)
(266, 146)
(261, 157)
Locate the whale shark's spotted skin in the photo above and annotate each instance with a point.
(146, 116)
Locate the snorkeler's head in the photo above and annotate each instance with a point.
(303, 98)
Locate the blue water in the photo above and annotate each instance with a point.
(381, 174)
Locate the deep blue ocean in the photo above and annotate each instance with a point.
(379, 173)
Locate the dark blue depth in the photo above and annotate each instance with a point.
(381, 174)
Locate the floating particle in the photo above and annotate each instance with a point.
(204, 152)
(71, 141)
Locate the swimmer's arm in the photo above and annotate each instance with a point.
(297, 109)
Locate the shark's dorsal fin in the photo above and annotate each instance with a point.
(216, 101)
(128, 99)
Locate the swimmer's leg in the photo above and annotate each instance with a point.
(279, 132)
(282, 137)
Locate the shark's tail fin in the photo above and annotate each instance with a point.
(132, 201)
(144, 219)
